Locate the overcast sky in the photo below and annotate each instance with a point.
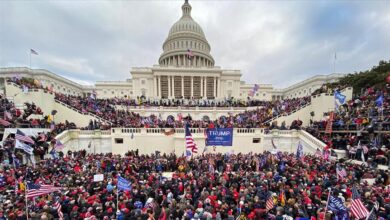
(278, 42)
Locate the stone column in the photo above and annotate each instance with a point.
(169, 86)
(159, 87)
(155, 86)
(192, 86)
(173, 86)
(219, 87)
(215, 87)
(201, 86)
(182, 86)
(205, 87)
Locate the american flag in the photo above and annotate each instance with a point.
(58, 206)
(299, 151)
(269, 204)
(33, 52)
(341, 172)
(22, 137)
(34, 190)
(357, 207)
(4, 122)
(190, 143)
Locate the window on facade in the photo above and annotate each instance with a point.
(230, 84)
(264, 94)
(256, 140)
(143, 92)
(105, 92)
(257, 94)
(118, 140)
(142, 82)
(112, 92)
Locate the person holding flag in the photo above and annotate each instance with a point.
(300, 151)
(189, 140)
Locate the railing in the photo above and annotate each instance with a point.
(83, 113)
(287, 114)
(192, 108)
(313, 141)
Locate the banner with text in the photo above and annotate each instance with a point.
(219, 137)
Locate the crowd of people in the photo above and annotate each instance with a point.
(124, 118)
(207, 186)
(358, 126)
(258, 186)
(15, 117)
(109, 110)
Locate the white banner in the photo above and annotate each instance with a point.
(98, 177)
(25, 147)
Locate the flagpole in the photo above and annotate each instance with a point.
(30, 59)
(25, 194)
(327, 202)
(369, 214)
(117, 200)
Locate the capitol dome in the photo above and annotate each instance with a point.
(186, 44)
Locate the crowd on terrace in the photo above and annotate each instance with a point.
(360, 126)
(207, 186)
(108, 110)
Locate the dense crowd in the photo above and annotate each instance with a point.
(30, 83)
(109, 110)
(211, 186)
(15, 117)
(123, 118)
(358, 125)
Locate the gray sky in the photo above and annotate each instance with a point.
(278, 42)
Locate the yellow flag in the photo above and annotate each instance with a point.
(49, 118)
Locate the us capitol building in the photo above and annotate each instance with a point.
(185, 69)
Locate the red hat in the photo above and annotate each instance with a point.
(75, 208)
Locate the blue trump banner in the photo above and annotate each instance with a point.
(219, 137)
(123, 184)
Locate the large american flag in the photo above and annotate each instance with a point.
(34, 190)
(190, 143)
(4, 122)
(58, 206)
(22, 137)
(357, 208)
(269, 204)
